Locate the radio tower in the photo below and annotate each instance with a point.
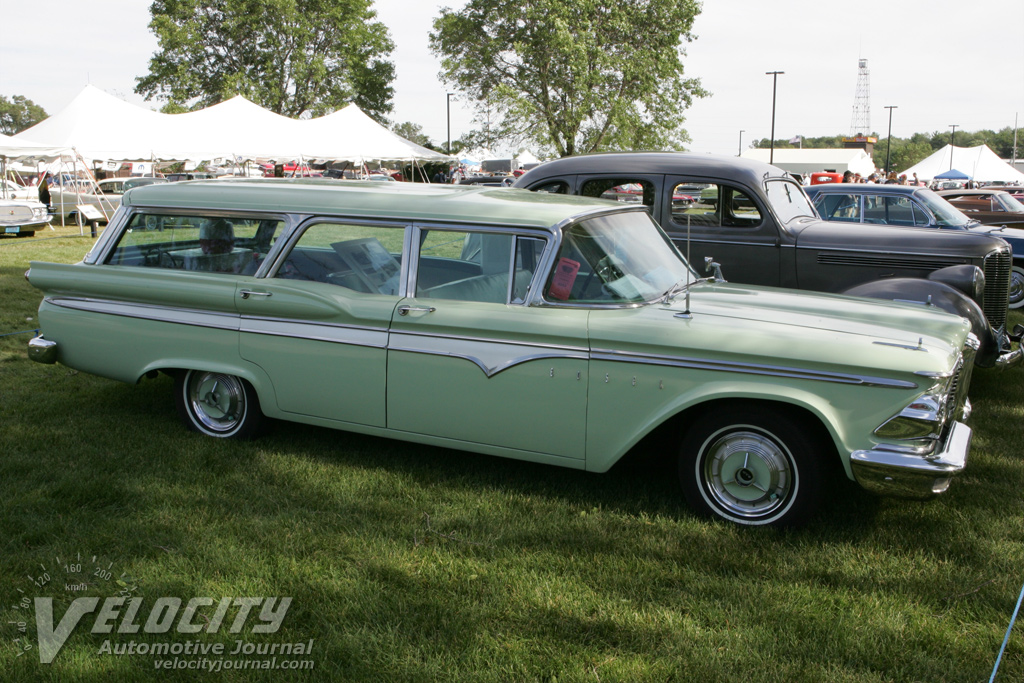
(861, 124)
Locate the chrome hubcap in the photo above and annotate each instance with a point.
(747, 474)
(217, 400)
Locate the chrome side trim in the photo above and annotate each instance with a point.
(750, 369)
(166, 314)
(373, 337)
(492, 357)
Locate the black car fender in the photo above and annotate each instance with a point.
(943, 296)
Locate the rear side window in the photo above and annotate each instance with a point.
(893, 210)
(208, 244)
(363, 258)
(626, 190)
(713, 205)
(838, 207)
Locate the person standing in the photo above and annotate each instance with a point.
(44, 191)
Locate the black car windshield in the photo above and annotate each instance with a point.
(946, 215)
(788, 200)
(615, 258)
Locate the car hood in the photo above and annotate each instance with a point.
(1014, 233)
(773, 326)
(871, 238)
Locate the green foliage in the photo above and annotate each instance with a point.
(413, 132)
(573, 76)
(19, 113)
(293, 57)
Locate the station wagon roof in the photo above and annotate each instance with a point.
(403, 201)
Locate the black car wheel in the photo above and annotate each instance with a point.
(1017, 286)
(753, 466)
(217, 404)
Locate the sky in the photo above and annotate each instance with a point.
(940, 62)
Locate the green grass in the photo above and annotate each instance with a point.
(410, 563)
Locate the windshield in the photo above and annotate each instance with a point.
(946, 215)
(1009, 203)
(788, 200)
(613, 259)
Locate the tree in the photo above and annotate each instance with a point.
(294, 57)
(573, 76)
(19, 113)
(413, 132)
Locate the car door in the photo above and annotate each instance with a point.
(467, 361)
(726, 222)
(318, 323)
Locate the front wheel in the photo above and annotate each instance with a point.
(756, 466)
(1017, 286)
(217, 404)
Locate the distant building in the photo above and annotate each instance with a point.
(803, 161)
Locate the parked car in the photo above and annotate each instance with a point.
(918, 207)
(22, 217)
(552, 329)
(991, 207)
(763, 230)
(118, 186)
(66, 196)
(12, 190)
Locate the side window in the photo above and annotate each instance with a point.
(627, 190)
(363, 258)
(890, 210)
(488, 267)
(713, 205)
(233, 245)
(553, 187)
(839, 207)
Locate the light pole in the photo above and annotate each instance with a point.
(775, 80)
(449, 101)
(888, 143)
(741, 144)
(952, 143)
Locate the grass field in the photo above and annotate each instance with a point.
(410, 563)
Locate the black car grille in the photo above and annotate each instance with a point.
(997, 286)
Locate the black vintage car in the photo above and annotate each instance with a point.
(763, 230)
(904, 206)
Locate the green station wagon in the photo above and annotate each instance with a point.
(549, 328)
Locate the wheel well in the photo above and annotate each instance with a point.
(664, 440)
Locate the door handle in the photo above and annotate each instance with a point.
(246, 293)
(405, 310)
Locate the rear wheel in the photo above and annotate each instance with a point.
(757, 466)
(217, 404)
(1017, 286)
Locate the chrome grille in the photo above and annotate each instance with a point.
(997, 286)
(956, 398)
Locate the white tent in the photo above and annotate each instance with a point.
(26, 149)
(979, 163)
(803, 161)
(100, 126)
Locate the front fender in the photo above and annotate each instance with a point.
(942, 296)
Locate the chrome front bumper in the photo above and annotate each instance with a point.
(889, 473)
(42, 350)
